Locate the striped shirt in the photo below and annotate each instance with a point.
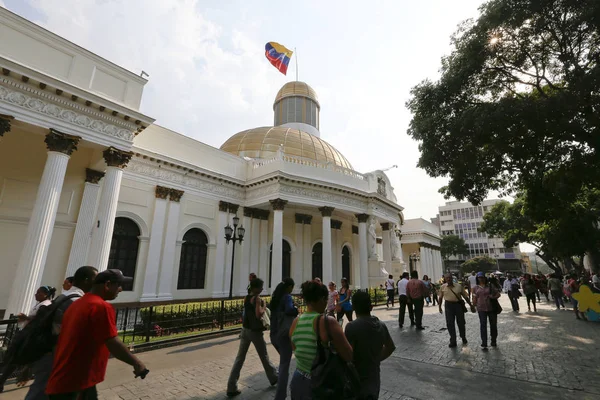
(305, 340)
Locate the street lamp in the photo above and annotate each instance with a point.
(234, 234)
(413, 258)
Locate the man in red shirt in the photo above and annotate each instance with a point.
(88, 336)
(416, 292)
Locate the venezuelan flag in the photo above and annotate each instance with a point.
(278, 55)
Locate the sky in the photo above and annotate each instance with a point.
(209, 78)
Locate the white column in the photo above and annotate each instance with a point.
(386, 246)
(336, 252)
(363, 250)
(254, 245)
(263, 271)
(299, 254)
(165, 283)
(355, 257)
(307, 241)
(41, 223)
(85, 222)
(150, 289)
(219, 268)
(277, 254)
(107, 209)
(327, 260)
(245, 249)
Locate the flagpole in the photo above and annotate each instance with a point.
(296, 64)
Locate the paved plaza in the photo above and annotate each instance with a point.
(548, 355)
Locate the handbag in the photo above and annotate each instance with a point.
(266, 319)
(332, 377)
(495, 305)
(462, 303)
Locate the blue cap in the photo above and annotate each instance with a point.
(480, 274)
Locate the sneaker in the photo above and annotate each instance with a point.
(233, 394)
(484, 347)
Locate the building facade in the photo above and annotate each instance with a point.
(87, 179)
(464, 220)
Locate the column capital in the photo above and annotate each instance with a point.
(233, 208)
(248, 212)
(335, 224)
(116, 158)
(223, 206)
(5, 123)
(61, 142)
(93, 176)
(362, 217)
(379, 240)
(175, 195)
(303, 219)
(263, 215)
(354, 230)
(161, 192)
(385, 226)
(278, 204)
(326, 211)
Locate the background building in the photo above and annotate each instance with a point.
(464, 220)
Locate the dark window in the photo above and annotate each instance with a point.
(124, 248)
(346, 263)
(317, 261)
(286, 262)
(192, 265)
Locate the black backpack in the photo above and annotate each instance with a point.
(332, 377)
(36, 338)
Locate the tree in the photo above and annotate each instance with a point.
(453, 245)
(479, 263)
(517, 97)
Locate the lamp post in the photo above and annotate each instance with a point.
(234, 234)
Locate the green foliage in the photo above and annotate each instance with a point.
(453, 245)
(480, 263)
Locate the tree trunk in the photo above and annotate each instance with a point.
(551, 264)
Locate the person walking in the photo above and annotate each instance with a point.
(344, 305)
(530, 290)
(332, 299)
(283, 312)
(43, 296)
(511, 287)
(252, 333)
(452, 294)
(88, 336)
(371, 343)
(573, 285)
(389, 287)
(68, 283)
(427, 284)
(544, 286)
(483, 294)
(416, 292)
(472, 282)
(404, 302)
(433, 292)
(303, 334)
(555, 288)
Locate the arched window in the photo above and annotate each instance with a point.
(192, 265)
(286, 262)
(346, 263)
(317, 261)
(124, 248)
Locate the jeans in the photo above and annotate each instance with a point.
(390, 299)
(41, 372)
(300, 387)
(418, 310)
(454, 312)
(557, 294)
(513, 296)
(258, 340)
(284, 348)
(403, 304)
(90, 393)
(483, 318)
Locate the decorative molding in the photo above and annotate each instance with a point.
(385, 226)
(303, 219)
(346, 200)
(5, 124)
(116, 158)
(233, 208)
(248, 212)
(362, 218)
(429, 246)
(166, 174)
(262, 214)
(161, 192)
(61, 142)
(175, 195)
(326, 211)
(223, 206)
(93, 176)
(379, 240)
(42, 107)
(354, 230)
(278, 204)
(335, 224)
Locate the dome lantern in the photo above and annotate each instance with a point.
(296, 106)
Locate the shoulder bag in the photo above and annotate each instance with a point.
(495, 305)
(462, 302)
(332, 377)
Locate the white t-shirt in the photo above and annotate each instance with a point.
(402, 287)
(389, 284)
(473, 280)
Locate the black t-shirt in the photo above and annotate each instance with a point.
(250, 320)
(367, 337)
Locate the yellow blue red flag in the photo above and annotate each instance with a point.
(278, 55)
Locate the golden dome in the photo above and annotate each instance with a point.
(265, 141)
(296, 88)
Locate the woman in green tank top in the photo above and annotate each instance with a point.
(304, 338)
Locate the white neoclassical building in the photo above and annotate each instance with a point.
(87, 179)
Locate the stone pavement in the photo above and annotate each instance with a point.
(547, 355)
